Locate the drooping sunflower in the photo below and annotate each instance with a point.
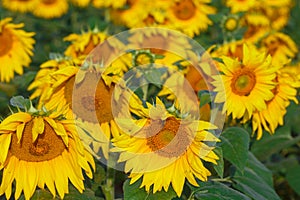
(271, 117)
(41, 149)
(88, 92)
(280, 46)
(164, 149)
(43, 80)
(190, 16)
(20, 5)
(15, 49)
(49, 9)
(248, 82)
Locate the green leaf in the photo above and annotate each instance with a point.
(87, 194)
(255, 181)
(216, 191)
(292, 117)
(134, 192)
(270, 144)
(293, 178)
(235, 145)
(255, 165)
(205, 97)
(219, 168)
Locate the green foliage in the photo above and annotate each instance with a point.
(217, 191)
(235, 145)
(133, 192)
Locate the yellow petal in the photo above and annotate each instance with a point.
(37, 128)
(5, 141)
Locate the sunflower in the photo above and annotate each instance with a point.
(248, 83)
(133, 13)
(109, 3)
(20, 5)
(277, 11)
(190, 16)
(280, 46)
(49, 9)
(285, 91)
(233, 48)
(88, 92)
(81, 3)
(43, 80)
(241, 5)
(83, 44)
(170, 45)
(15, 49)
(164, 149)
(41, 149)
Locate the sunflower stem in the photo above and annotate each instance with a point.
(109, 188)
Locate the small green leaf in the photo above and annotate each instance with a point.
(219, 168)
(134, 192)
(205, 97)
(293, 178)
(235, 145)
(217, 191)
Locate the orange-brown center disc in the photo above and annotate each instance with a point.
(47, 146)
(6, 42)
(91, 99)
(184, 10)
(243, 82)
(171, 141)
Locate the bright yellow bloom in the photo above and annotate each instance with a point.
(269, 118)
(164, 149)
(233, 49)
(15, 49)
(190, 16)
(240, 5)
(20, 5)
(132, 15)
(248, 83)
(280, 46)
(49, 9)
(83, 44)
(109, 3)
(39, 150)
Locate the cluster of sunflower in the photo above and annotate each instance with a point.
(138, 95)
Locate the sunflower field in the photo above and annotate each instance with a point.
(161, 99)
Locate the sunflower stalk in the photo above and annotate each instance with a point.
(109, 187)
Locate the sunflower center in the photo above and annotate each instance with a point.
(47, 146)
(243, 82)
(171, 141)
(93, 99)
(6, 41)
(184, 9)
